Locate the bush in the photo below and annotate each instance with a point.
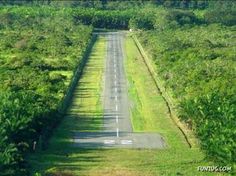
(226, 17)
(182, 17)
(213, 117)
(111, 19)
(142, 20)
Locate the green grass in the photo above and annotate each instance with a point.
(67, 74)
(86, 109)
(177, 159)
(149, 110)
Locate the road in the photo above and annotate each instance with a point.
(116, 103)
(117, 129)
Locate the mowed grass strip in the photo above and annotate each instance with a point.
(86, 108)
(62, 158)
(149, 112)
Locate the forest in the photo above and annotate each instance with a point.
(43, 43)
(40, 51)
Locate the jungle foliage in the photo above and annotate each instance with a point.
(39, 52)
(195, 56)
(42, 44)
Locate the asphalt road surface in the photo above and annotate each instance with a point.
(117, 131)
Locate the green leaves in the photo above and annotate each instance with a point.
(104, 18)
(39, 47)
(6, 155)
(213, 115)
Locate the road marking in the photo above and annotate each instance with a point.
(117, 132)
(115, 82)
(116, 107)
(117, 119)
(109, 141)
(116, 98)
(115, 89)
(126, 142)
(115, 76)
(115, 70)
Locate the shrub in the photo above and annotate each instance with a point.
(226, 17)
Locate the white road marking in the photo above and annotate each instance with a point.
(117, 132)
(115, 76)
(109, 141)
(116, 98)
(126, 142)
(116, 90)
(117, 119)
(76, 140)
(115, 82)
(115, 70)
(116, 107)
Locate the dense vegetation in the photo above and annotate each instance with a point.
(195, 56)
(114, 19)
(194, 52)
(121, 5)
(40, 50)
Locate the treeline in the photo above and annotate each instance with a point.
(129, 4)
(194, 53)
(104, 18)
(39, 52)
(160, 19)
(117, 14)
(163, 18)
